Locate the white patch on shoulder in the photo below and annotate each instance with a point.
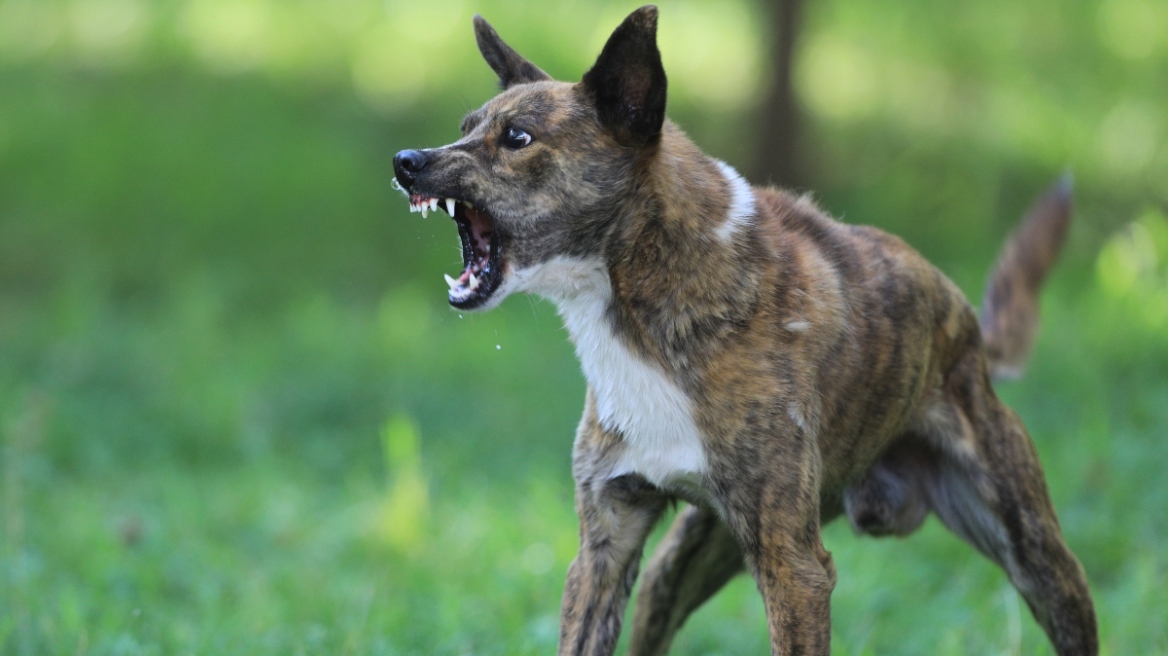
(633, 396)
(742, 206)
(795, 412)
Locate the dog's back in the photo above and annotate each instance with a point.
(873, 327)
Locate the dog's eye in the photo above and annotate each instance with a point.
(515, 138)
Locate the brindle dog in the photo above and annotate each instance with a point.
(746, 353)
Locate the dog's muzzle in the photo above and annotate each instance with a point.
(407, 164)
(482, 271)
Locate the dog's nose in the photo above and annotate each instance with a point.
(407, 164)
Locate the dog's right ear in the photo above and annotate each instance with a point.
(628, 81)
(509, 65)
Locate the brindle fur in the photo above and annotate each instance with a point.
(830, 368)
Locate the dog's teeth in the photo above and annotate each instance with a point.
(433, 204)
(450, 281)
(474, 282)
(450, 206)
(425, 209)
(468, 204)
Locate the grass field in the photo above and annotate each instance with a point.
(237, 417)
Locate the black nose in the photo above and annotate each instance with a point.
(407, 164)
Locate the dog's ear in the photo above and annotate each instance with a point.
(628, 81)
(509, 65)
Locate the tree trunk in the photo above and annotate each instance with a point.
(777, 159)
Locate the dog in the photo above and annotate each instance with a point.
(744, 353)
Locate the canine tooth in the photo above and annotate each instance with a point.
(474, 282)
(425, 210)
(450, 206)
(450, 281)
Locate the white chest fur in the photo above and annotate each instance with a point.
(633, 396)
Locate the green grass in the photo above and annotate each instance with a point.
(181, 481)
(237, 417)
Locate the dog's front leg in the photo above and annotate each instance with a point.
(616, 515)
(796, 580)
(770, 496)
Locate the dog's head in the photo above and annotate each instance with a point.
(542, 168)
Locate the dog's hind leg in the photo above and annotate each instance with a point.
(988, 488)
(693, 561)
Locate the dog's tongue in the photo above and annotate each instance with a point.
(480, 228)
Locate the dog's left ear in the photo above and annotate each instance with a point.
(510, 66)
(628, 81)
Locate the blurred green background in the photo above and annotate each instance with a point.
(237, 416)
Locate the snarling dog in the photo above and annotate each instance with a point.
(745, 353)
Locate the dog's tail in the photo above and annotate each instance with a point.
(1009, 311)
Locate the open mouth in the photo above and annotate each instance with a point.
(481, 272)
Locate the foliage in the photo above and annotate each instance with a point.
(236, 416)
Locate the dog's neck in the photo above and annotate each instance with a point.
(685, 266)
(680, 271)
(675, 281)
